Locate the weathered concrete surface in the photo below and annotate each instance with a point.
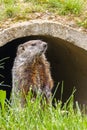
(66, 53)
(40, 27)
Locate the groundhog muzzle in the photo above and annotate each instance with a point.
(31, 70)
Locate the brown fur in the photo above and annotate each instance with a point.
(31, 70)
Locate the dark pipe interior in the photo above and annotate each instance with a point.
(68, 64)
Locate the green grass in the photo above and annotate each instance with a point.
(9, 9)
(73, 6)
(67, 6)
(37, 116)
(26, 9)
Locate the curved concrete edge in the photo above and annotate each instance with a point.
(44, 27)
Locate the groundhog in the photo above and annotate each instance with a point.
(31, 70)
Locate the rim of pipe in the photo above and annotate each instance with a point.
(44, 28)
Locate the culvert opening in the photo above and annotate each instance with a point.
(68, 64)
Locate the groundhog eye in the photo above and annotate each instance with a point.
(34, 44)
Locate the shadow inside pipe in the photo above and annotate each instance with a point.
(68, 64)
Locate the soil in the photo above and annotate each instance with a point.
(66, 20)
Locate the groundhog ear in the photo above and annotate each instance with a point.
(20, 49)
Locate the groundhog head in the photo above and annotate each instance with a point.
(31, 49)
